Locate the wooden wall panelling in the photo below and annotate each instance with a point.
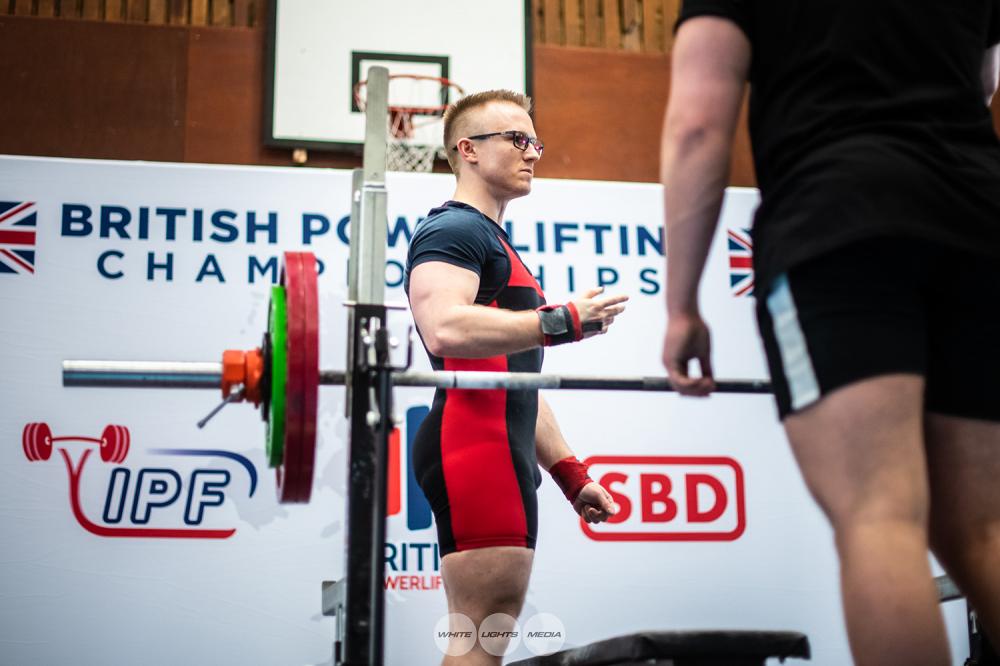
(129, 91)
(199, 12)
(553, 22)
(612, 26)
(46, 8)
(136, 11)
(91, 9)
(631, 16)
(574, 28)
(178, 12)
(157, 12)
(652, 26)
(68, 8)
(224, 122)
(625, 101)
(113, 10)
(241, 13)
(671, 9)
(538, 21)
(592, 22)
(92, 89)
(221, 16)
(22, 8)
(224, 80)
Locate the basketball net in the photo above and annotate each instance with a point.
(402, 154)
(418, 106)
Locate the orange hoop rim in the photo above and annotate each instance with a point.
(433, 110)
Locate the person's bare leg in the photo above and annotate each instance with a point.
(861, 451)
(964, 460)
(481, 582)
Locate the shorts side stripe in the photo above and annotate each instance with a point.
(798, 367)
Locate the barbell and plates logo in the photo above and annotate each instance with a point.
(740, 262)
(18, 222)
(166, 500)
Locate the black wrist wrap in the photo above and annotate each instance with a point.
(560, 324)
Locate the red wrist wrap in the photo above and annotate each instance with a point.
(571, 476)
(577, 326)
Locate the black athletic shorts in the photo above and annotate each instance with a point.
(886, 306)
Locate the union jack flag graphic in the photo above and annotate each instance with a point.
(18, 220)
(740, 262)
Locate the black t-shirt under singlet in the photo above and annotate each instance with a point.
(868, 119)
(458, 234)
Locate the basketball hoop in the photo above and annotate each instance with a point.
(416, 107)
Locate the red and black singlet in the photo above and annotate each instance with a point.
(474, 454)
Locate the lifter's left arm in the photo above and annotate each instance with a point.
(589, 498)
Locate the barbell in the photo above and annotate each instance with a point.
(282, 378)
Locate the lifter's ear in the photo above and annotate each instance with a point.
(467, 150)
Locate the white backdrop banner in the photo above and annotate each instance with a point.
(176, 550)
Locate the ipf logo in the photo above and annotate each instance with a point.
(157, 492)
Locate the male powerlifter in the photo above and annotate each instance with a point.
(477, 307)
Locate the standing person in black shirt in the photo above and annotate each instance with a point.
(876, 244)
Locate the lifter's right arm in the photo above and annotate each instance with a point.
(442, 299)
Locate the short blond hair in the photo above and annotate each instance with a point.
(460, 110)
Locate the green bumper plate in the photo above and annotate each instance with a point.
(277, 327)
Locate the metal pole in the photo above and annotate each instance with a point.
(155, 374)
(357, 185)
(364, 565)
(142, 374)
(368, 272)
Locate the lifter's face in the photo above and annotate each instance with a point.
(504, 169)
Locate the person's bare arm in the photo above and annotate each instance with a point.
(550, 445)
(710, 62)
(991, 72)
(442, 299)
(593, 503)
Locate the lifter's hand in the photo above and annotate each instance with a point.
(688, 339)
(597, 314)
(594, 503)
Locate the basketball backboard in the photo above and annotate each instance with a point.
(320, 49)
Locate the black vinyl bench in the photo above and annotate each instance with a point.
(681, 648)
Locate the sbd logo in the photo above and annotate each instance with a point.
(670, 498)
(155, 489)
